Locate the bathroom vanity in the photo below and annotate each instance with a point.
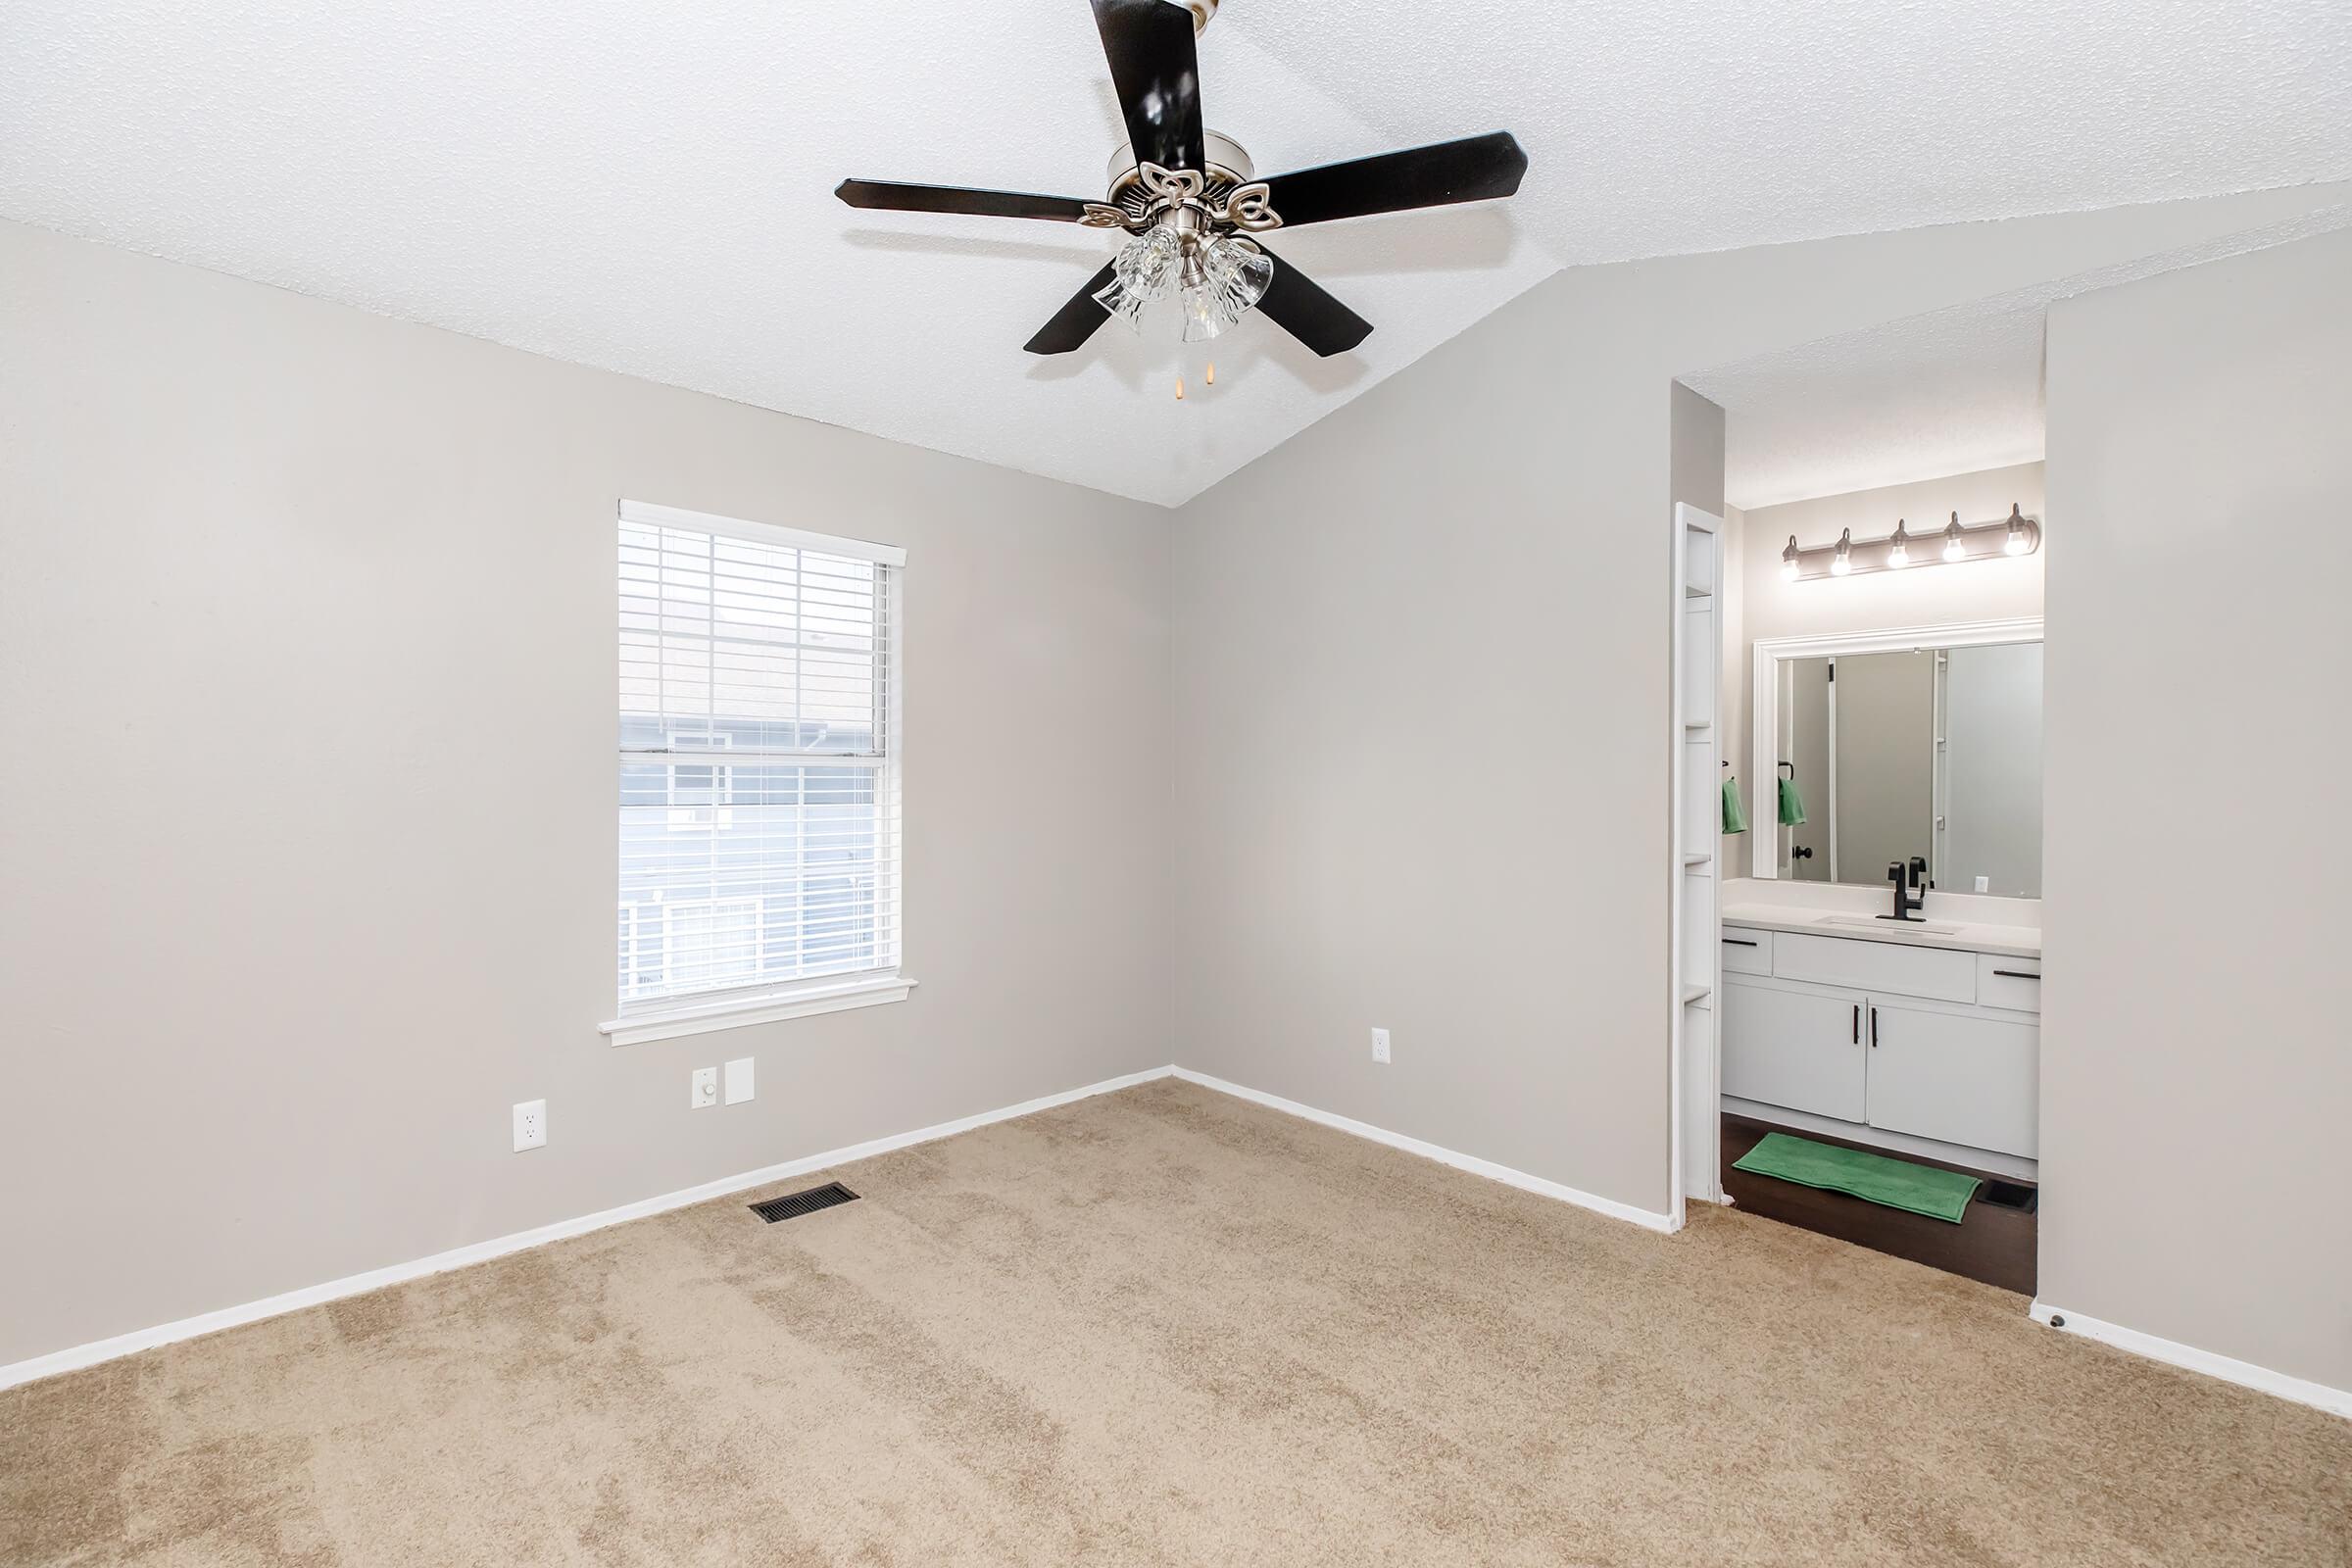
(1903, 779)
(1920, 1038)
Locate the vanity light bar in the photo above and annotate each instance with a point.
(1904, 550)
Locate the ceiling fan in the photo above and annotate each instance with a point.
(1191, 208)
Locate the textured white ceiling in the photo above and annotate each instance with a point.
(647, 186)
(1952, 391)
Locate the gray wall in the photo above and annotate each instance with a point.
(306, 659)
(2194, 1091)
(1421, 668)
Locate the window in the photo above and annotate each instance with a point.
(759, 791)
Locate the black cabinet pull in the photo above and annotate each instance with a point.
(2016, 974)
(1739, 942)
(1857, 1023)
(1874, 1028)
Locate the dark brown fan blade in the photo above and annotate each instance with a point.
(889, 196)
(1150, 46)
(1298, 305)
(1475, 169)
(1075, 322)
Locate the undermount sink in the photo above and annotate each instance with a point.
(1876, 924)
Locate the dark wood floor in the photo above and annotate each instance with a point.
(1992, 1242)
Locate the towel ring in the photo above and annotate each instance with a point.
(1792, 767)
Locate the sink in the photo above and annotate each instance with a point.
(1873, 923)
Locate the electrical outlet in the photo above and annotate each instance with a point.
(1983, 884)
(705, 1088)
(1380, 1044)
(530, 1125)
(739, 1080)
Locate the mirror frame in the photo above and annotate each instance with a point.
(1763, 710)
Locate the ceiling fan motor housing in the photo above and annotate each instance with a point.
(1228, 163)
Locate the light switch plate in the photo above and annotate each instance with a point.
(739, 1080)
(705, 1088)
(530, 1125)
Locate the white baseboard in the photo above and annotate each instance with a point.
(227, 1317)
(2335, 1402)
(1647, 1220)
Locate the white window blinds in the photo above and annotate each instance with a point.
(758, 757)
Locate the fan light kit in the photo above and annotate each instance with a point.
(2013, 535)
(1190, 209)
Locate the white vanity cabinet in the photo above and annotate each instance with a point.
(1901, 1042)
(1793, 1045)
(1959, 1074)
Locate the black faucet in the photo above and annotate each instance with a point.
(1908, 899)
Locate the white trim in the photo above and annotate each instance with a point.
(1764, 707)
(2318, 1396)
(652, 516)
(228, 1318)
(1647, 1220)
(800, 1000)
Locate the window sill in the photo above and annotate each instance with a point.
(735, 1012)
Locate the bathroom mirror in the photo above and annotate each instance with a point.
(1888, 746)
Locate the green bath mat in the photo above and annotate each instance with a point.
(1895, 1183)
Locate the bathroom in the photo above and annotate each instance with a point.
(1858, 853)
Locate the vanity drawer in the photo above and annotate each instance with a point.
(2012, 983)
(1941, 973)
(1746, 952)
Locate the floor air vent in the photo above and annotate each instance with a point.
(792, 1206)
(2008, 1194)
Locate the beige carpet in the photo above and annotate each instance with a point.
(1167, 1327)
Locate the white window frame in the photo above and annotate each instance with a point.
(668, 1018)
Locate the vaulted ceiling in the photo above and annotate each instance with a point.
(647, 186)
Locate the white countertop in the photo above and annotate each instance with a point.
(2010, 941)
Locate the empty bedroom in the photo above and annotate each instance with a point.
(1174, 782)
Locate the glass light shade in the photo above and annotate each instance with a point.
(2014, 544)
(1844, 561)
(1955, 547)
(1899, 548)
(1141, 275)
(1789, 563)
(1221, 284)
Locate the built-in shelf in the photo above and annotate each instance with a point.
(1697, 848)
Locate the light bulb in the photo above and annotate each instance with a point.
(1955, 547)
(2015, 543)
(1899, 548)
(1789, 563)
(1221, 281)
(1180, 389)
(1211, 377)
(1141, 275)
(1844, 561)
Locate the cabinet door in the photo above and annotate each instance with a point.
(1798, 1048)
(1965, 1079)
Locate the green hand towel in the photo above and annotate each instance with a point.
(1735, 818)
(1793, 804)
